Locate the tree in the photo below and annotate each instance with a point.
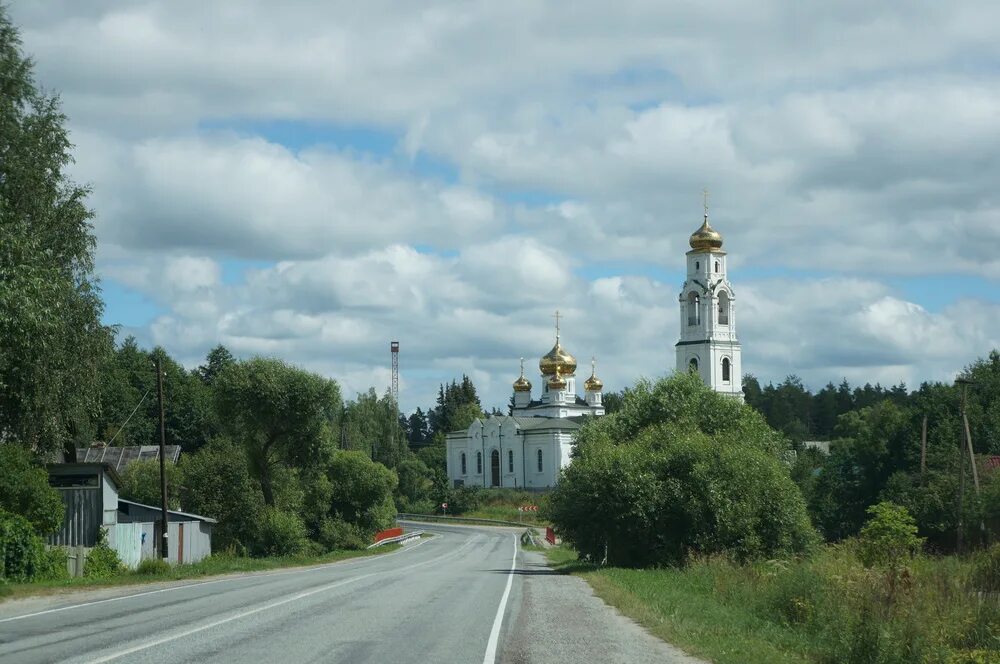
(280, 414)
(217, 360)
(679, 469)
(362, 492)
(50, 308)
(141, 483)
(216, 482)
(371, 425)
(25, 490)
(416, 483)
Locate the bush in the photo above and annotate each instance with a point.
(336, 534)
(280, 534)
(986, 570)
(889, 539)
(102, 561)
(673, 490)
(362, 492)
(152, 567)
(25, 490)
(53, 565)
(22, 553)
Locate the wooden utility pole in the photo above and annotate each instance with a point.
(966, 442)
(923, 450)
(164, 550)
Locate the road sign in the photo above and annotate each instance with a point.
(444, 506)
(528, 508)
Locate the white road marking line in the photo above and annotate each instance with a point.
(491, 646)
(251, 575)
(330, 586)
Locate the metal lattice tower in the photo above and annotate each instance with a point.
(394, 348)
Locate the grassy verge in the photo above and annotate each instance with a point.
(211, 566)
(825, 609)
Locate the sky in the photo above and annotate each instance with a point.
(311, 180)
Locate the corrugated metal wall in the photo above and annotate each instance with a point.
(126, 539)
(195, 544)
(82, 516)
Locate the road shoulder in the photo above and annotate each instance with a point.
(560, 619)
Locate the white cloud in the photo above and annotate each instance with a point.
(854, 139)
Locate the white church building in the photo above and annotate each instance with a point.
(529, 448)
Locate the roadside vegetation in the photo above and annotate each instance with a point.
(693, 516)
(155, 570)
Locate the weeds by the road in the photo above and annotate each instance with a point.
(153, 571)
(827, 608)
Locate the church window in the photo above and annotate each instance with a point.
(539, 461)
(510, 461)
(694, 313)
(716, 267)
(479, 463)
(463, 463)
(725, 370)
(723, 308)
(693, 365)
(697, 265)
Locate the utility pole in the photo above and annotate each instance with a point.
(923, 451)
(164, 550)
(964, 382)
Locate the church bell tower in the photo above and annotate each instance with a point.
(708, 345)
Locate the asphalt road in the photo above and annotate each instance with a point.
(465, 595)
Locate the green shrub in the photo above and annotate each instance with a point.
(336, 534)
(152, 567)
(986, 570)
(102, 561)
(53, 565)
(22, 553)
(280, 534)
(889, 539)
(362, 492)
(25, 490)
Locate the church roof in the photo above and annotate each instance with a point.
(535, 423)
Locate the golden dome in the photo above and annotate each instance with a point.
(557, 382)
(559, 360)
(593, 384)
(706, 238)
(522, 384)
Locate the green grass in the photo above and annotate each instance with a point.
(824, 609)
(211, 566)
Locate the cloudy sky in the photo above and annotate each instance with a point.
(314, 179)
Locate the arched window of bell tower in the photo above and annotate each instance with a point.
(693, 365)
(694, 313)
(723, 308)
(716, 267)
(725, 370)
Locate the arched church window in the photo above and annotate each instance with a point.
(539, 461)
(697, 265)
(479, 463)
(694, 313)
(693, 365)
(510, 461)
(463, 463)
(725, 370)
(723, 308)
(716, 267)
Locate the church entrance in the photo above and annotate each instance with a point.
(495, 468)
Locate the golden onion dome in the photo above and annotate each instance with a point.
(593, 384)
(557, 382)
(706, 238)
(559, 360)
(522, 384)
